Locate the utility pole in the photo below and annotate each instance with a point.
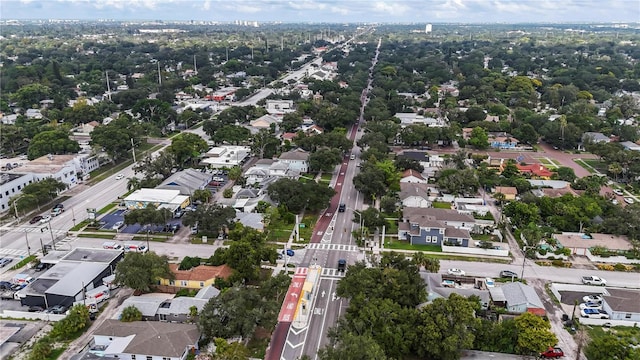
(159, 75)
(26, 239)
(15, 208)
(108, 85)
(195, 64)
(133, 151)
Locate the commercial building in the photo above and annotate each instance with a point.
(160, 198)
(226, 156)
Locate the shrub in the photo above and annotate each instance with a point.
(619, 267)
(542, 252)
(131, 313)
(227, 193)
(605, 267)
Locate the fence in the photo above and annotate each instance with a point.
(475, 251)
(556, 288)
(12, 314)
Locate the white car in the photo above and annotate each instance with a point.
(629, 200)
(456, 272)
(590, 305)
(45, 219)
(618, 192)
(490, 282)
(595, 298)
(119, 177)
(594, 314)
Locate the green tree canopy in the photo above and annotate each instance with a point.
(55, 142)
(141, 271)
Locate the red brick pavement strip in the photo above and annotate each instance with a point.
(278, 338)
(290, 303)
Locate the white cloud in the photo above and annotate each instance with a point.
(307, 5)
(392, 8)
(206, 5)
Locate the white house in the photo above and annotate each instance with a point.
(279, 107)
(226, 156)
(415, 195)
(297, 159)
(622, 305)
(140, 340)
(412, 176)
(407, 119)
(264, 122)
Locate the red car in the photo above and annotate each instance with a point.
(35, 219)
(552, 353)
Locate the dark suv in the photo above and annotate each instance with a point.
(342, 207)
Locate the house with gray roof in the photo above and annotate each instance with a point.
(145, 340)
(622, 304)
(517, 297)
(298, 159)
(416, 194)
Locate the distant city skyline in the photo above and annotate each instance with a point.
(330, 11)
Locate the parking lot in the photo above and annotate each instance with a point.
(111, 219)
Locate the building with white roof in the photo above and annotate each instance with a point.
(160, 198)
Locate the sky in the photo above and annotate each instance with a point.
(334, 11)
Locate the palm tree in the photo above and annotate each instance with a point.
(133, 183)
(616, 169)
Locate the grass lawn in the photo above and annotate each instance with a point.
(55, 353)
(309, 222)
(279, 230)
(628, 335)
(98, 236)
(441, 205)
(404, 245)
(599, 165)
(107, 208)
(80, 225)
(105, 171)
(326, 177)
(585, 166)
(485, 237)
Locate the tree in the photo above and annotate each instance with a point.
(324, 160)
(141, 271)
(76, 321)
(41, 349)
(130, 313)
(609, 346)
(479, 138)
(30, 95)
(264, 143)
(13, 138)
(203, 195)
(291, 121)
(297, 196)
(534, 334)
(116, 137)
(566, 174)
(370, 181)
(52, 142)
(159, 166)
(352, 347)
(430, 264)
(446, 327)
(235, 173)
(154, 111)
(187, 147)
(231, 134)
(230, 351)
(211, 218)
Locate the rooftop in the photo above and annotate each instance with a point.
(623, 300)
(296, 154)
(92, 255)
(81, 275)
(153, 195)
(413, 214)
(8, 177)
(201, 272)
(152, 338)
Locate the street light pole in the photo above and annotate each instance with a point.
(26, 239)
(524, 260)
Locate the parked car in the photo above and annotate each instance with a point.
(594, 314)
(5, 261)
(35, 219)
(117, 225)
(178, 214)
(58, 309)
(489, 282)
(508, 274)
(629, 200)
(552, 353)
(41, 266)
(618, 192)
(36, 308)
(591, 305)
(596, 298)
(456, 272)
(448, 283)
(5, 285)
(45, 219)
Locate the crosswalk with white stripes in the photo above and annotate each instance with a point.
(335, 247)
(14, 252)
(329, 272)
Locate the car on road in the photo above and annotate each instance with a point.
(56, 211)
(618, 192)
(40, 267)
(342, 265)
(508, 274)
(35, 219)
(5, 261)
(552, 353)
(5, 285)
(119, 177)
(456, 272)
(594, 314)
(596, 298)
(352, 157)
(594, 280)
(342, 207)
(289, 252)
(629, 200)
(591, 305)
(45, 219)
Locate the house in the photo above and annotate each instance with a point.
(264, 122)
(313, 130)
(553, 184)
(168, 307)
(33, 114)
(149, 340)
(412, 176)
(428, 161)
(88, 127)
(279, 107)
(186, 181)
(595, 137)
(288, 136)
(226, 156)
(580, 243)
(9, 119)
(538, 171)
(629, 145)
(195, 278)
(509, 192)
(407, 119)
(298, 159)
(503, 141)
(251, 220)
(266, 170)
(447, 216)
(622, 304)
(416, 194)
(517, 297)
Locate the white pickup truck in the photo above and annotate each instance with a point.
(594, 280)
